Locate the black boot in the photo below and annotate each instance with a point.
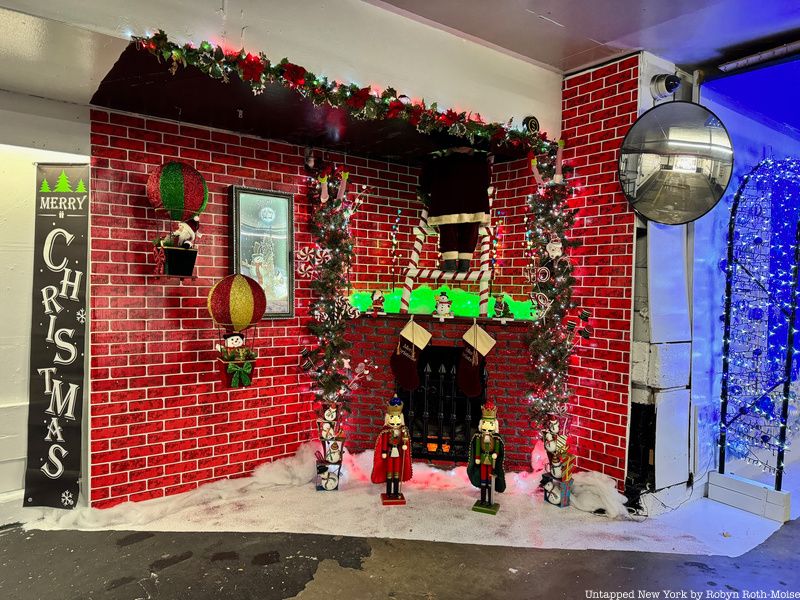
(449, 265)
(463, 265)
(483, 494)
(489, 494)
(397, 488)
(388, 487)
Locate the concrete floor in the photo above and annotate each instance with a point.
(73, 565)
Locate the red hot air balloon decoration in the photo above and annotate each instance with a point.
(182, 193)
(236, 303)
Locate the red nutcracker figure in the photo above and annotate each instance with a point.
(486, 452)
(392, 462)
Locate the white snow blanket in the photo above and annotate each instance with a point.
(280, 497)
(592, 491)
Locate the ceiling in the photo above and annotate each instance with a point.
(566, 35)
(53, 60)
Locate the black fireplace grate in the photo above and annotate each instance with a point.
(440, 418)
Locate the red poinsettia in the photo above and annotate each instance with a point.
(358, 100)
(395, 108)
(251, 67)
(499, 134)
(294, 74)
(415, 115)
(448, 118)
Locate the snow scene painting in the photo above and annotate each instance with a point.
(262, 245)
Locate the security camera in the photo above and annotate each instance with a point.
(530, 124)
(664, 85)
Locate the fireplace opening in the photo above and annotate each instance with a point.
(440, 418)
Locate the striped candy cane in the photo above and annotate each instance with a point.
(413, 260)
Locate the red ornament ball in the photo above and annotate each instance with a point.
(178, 189)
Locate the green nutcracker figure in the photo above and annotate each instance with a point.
(485, 465)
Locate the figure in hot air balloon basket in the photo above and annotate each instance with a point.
(392, 460)
(485, 466)
(181, 192)
(236, 304)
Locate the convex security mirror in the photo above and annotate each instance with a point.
(675, 163)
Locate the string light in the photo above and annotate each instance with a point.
(759, 412)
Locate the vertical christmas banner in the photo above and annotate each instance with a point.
(57, 336)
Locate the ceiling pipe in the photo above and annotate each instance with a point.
(761, 57)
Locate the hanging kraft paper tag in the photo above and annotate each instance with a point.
(417, 335)
(477, 337)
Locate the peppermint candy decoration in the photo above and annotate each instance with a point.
(306, 270)
(309, 259)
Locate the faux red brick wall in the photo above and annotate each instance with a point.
(505, 383)
(161, 422)
(599, 107)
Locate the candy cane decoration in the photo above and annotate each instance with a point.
(413, 261)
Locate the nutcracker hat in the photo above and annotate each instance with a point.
(395, 406)
(489, 410)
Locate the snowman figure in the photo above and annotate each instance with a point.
(443, 305)
(233, 345)
(557, 467)
(551, 437)
(334, 454)
(330, 413)
(552, 493)
(233, 340)
(555, 249)
(327, 431)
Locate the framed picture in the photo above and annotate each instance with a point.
(262, 245)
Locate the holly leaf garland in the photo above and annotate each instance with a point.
(360, 102)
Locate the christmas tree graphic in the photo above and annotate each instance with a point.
(81, 187)
(63, 184)
(45, 186)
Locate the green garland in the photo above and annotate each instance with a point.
(330, 310)
(550, 339)
(257, 71)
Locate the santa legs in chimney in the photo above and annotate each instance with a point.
(455, 186)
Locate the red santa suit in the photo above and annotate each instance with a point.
(456, 189)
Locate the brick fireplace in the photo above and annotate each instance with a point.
(376, 338)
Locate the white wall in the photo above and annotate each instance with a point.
(17, 180)
(31, 122)
(346, 39)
